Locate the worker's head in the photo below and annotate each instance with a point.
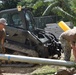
(3, 21)
(3, 24)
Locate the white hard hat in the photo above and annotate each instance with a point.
(3, 21)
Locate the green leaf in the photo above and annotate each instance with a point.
(49, 8)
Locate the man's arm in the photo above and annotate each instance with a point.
(73, 45)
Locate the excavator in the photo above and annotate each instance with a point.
(24, 38)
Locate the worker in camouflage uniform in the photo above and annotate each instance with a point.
(68, 42)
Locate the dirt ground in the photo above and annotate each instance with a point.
(17, 70)
(21, 70)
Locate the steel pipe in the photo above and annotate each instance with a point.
(36, 60)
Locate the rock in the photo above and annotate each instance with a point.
(63, 72)
(72, 71)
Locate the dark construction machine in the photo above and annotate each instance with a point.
(23, 38)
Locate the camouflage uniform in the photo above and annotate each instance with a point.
(67, 39)
(66, 48)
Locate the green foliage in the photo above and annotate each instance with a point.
(62, 13)
(73, 5)
(1, 6)
(63, 8)
(7, 4)
(26, 3)
(45, 70)
(39, 7)
(49, 8)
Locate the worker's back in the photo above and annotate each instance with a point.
(69, 35)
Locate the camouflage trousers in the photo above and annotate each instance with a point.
(66, 48)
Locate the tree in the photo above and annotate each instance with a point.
(38, 6)
(73, 5)
(7, 4)
(62, 8)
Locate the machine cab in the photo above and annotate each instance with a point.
(19, 22)
(19, 19)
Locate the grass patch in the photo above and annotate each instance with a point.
(45, 70)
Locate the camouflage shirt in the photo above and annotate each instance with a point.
(69, 35)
